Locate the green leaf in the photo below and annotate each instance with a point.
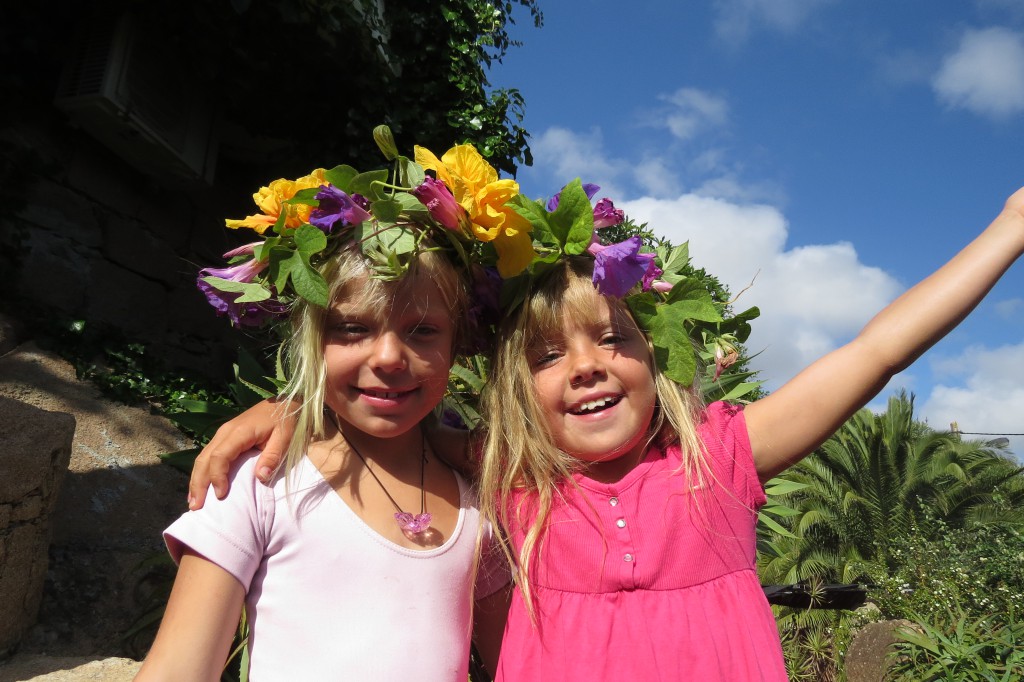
(572, 223)
(468, 376)
(537, 215)
(410, 173)
(305, 197)
(307, 282)
(310, 240)
(368, 184)
(386, 210)
(341, 177)
(182, 460)
(251, 291)
(774, 525)
(673, 262)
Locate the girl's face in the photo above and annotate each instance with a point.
(387, 369)
(595, 385)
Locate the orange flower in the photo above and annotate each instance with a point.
(270, 199)
(476, 187)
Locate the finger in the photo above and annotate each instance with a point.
(274, 451)
(198, 483)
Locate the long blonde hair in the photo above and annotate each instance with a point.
(519, 454)
(307, 372)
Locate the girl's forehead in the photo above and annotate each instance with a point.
(374, 298)
(592, 315)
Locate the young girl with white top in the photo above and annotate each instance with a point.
(359, 560)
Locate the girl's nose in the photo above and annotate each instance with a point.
(585, 367)
(388, 352)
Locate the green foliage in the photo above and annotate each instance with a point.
(814, 641)
(979, 569)
(960, 648)
(863, 487)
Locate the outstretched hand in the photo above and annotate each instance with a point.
(261, 426)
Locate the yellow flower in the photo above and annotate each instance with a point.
(475, 185)
(271, 198)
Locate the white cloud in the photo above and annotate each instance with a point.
(561, 155)
(812, 298)
(735, 19)
(990, 398)
(985, 75)
(693, 111)
(1010, 308)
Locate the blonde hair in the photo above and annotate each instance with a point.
(349, 278)
(519, 454)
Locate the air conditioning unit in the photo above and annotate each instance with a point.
(126, 91)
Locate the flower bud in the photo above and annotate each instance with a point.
(386, 141)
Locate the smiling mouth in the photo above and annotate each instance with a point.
(598, 405)
(383, 394)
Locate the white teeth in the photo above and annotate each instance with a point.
(594, 404)
(383, 394)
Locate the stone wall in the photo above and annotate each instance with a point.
(90, 238)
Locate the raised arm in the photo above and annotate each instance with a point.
(787, 425)
(198, 626)
(262, 425)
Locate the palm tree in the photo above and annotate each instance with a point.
(868, 483)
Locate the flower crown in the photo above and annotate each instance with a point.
(466, 209)
(672, 305)
(389, 216)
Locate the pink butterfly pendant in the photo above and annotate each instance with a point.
(413, 523)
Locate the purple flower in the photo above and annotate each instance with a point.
(336, 205)
(244, 250)
(618, 267)
(606, 215)
(590, 188)
(249, 314)
(438, 199)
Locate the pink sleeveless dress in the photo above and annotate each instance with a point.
(651, 577)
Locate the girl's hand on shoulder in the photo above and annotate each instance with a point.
(264, 425)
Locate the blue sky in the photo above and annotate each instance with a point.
(834, 152)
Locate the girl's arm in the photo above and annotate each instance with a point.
(788, 424)
(262, 425)
(489, 616)
(198, 626)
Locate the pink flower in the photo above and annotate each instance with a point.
(606, 215)
(443, 208)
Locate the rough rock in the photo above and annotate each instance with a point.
(867, 655)
(35, 446)
(64, 669)
(106, 557)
